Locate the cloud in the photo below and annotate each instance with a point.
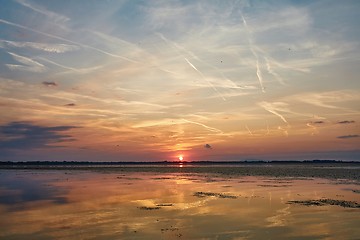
(28, 64)
(28, 190)
(25, 135)
(203, 76)
(259, 75)
(274, 108)
(248, 129)
(346, 122)
(39, 9)
(208, 146)
(47, 47)
(326, 99)
(252, 49)
(50, 84)
(272, 71)
(349, 136)
(169, 122)
(77, 70)
(318, 122)
(67, 40)
(205, 126)
(70, 105)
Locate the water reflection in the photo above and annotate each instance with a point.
(166, 206)
(21, 189)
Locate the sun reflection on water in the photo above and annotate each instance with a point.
(171, 207)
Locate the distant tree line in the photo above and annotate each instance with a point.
(252, 162)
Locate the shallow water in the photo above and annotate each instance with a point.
(62, 204)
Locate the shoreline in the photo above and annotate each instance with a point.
(327, 171)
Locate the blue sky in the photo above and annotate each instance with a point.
(152, 80)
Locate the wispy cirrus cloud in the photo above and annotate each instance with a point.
(253, 48)
(169, 122)
(326, 99)
(72, 69)
(283, 18)
(69, 41)
(28, 64)
(47, 47)
(275, 108)
(42, 10)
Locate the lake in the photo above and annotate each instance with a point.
(161, 204)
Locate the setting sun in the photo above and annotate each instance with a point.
(181, 157)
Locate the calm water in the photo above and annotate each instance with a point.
(61, 204)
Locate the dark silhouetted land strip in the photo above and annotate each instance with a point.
(299, 169)
(324, 202)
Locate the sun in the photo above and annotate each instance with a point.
(181, 158)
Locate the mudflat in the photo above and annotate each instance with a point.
(173, 202)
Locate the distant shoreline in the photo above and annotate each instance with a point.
(288, 169)
(245, 162)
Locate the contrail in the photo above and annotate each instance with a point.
(26, 60)
(69, 41)
(28, 64)
(309, 125)
(249, 130)
(270, 109)
(259, 75)
(202, 75)
(233, 85)
(179, 49)
(284, 130)
(244, 21)
(205, 126)
(313, 127)
(57, 17)
(54, 48)
(258, 70)
(193, 66)
(277, 114)
(272, 72)
(81, 70)
(118, 40)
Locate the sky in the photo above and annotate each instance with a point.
(135, 80)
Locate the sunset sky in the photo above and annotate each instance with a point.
(153, 80)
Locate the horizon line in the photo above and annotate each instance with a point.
(175, 162)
